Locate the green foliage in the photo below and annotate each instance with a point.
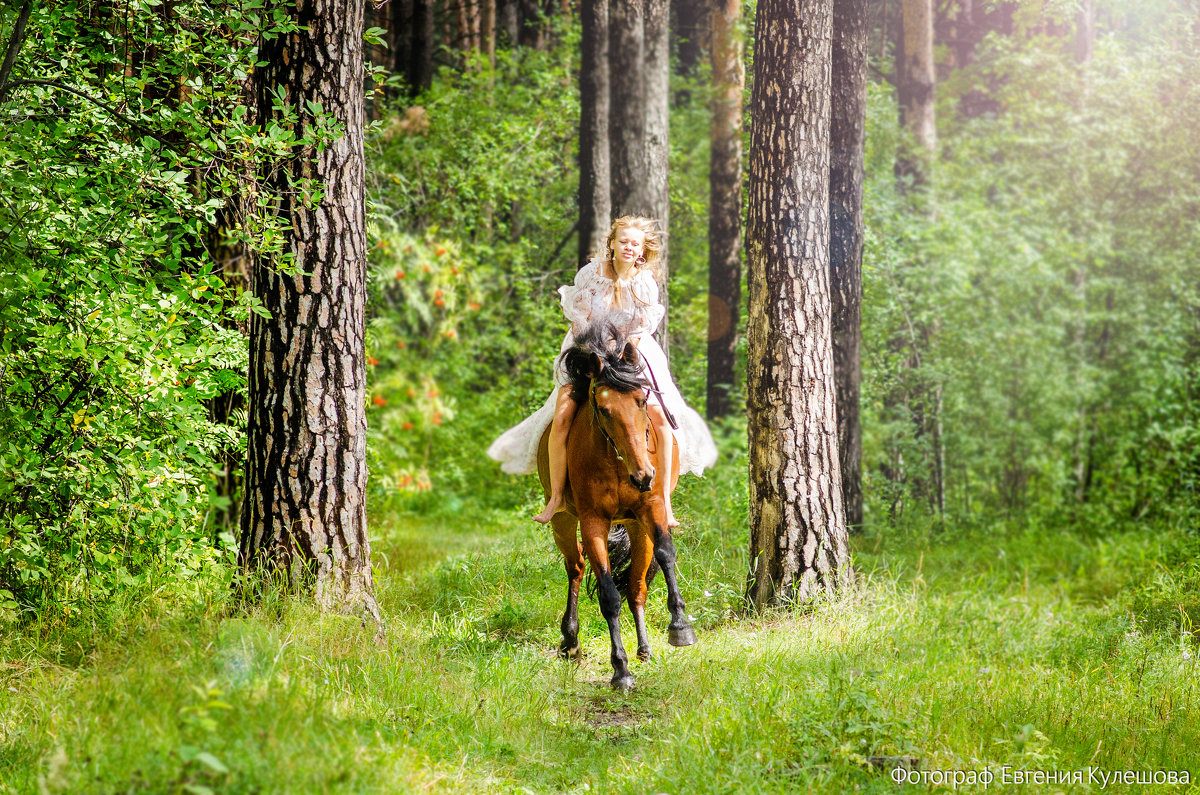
(479, 168)
(1045, 285)
(127, 138)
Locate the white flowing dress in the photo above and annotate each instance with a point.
(592, 297)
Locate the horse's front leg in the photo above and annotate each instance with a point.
(594, 530)
(679, 631)
(566, 537)
(641, 553)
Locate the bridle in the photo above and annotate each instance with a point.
(598, 423)
(653, 387)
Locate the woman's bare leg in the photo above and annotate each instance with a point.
(666, 447)
(564, 413)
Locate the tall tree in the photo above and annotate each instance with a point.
(798, 542)
(595, 205)
(690, 25)
(915, 87)
(656, 70)
(847, 132)
(304, 515)
(725, 205)
(409, 51)
(627, 105)
(419, 70)
(639, 42)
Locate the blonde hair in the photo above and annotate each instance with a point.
(651, 246)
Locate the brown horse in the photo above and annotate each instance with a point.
(609, 478)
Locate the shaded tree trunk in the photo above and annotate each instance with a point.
(798, 542)
(725, 206)
(847, 133)
(627, 107)
(508, 21)
(657, 79)
(595, 206)
(638, 124)
(304, 517)
(488, 22)
(419, 74)
(915, 89)
(690, 24)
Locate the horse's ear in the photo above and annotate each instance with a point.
(630, 354)
(595, 365)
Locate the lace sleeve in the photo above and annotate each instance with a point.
(647, 310)
(577, 298)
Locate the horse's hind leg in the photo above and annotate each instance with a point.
(595, 544)
(679, 631)
(641, 552)
(566, 537)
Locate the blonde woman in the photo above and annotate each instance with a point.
(618, 284)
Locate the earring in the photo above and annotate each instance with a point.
(640, 261)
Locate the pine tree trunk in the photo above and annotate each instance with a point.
(462, 26)
(627, 108)
(690, 24)
(304, 517)
(488, 20)
(420, 65)
(595, 206)
(915, 88)
(725, 206)
(798, 542)
(847, 133)
(656, 70)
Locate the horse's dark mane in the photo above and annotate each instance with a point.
(604, 339)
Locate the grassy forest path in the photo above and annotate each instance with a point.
(1034, 651)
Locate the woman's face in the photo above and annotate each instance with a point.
(628, 244)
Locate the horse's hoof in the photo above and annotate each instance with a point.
(574, 653)
(623, 683)
(681, 636)
(644, 653)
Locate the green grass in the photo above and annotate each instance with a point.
(1039, 650)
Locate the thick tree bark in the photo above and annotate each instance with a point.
(595, 206)
(798, 542)
(304, 516)
(847, 133)
(915, 88)
(725, 206)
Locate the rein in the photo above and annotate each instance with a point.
(654, 388)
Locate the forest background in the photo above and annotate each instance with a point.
(1031, 358)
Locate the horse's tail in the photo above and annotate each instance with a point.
(620, 559)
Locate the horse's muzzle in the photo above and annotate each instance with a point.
(642, 483)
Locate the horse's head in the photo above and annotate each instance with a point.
(606, 383)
